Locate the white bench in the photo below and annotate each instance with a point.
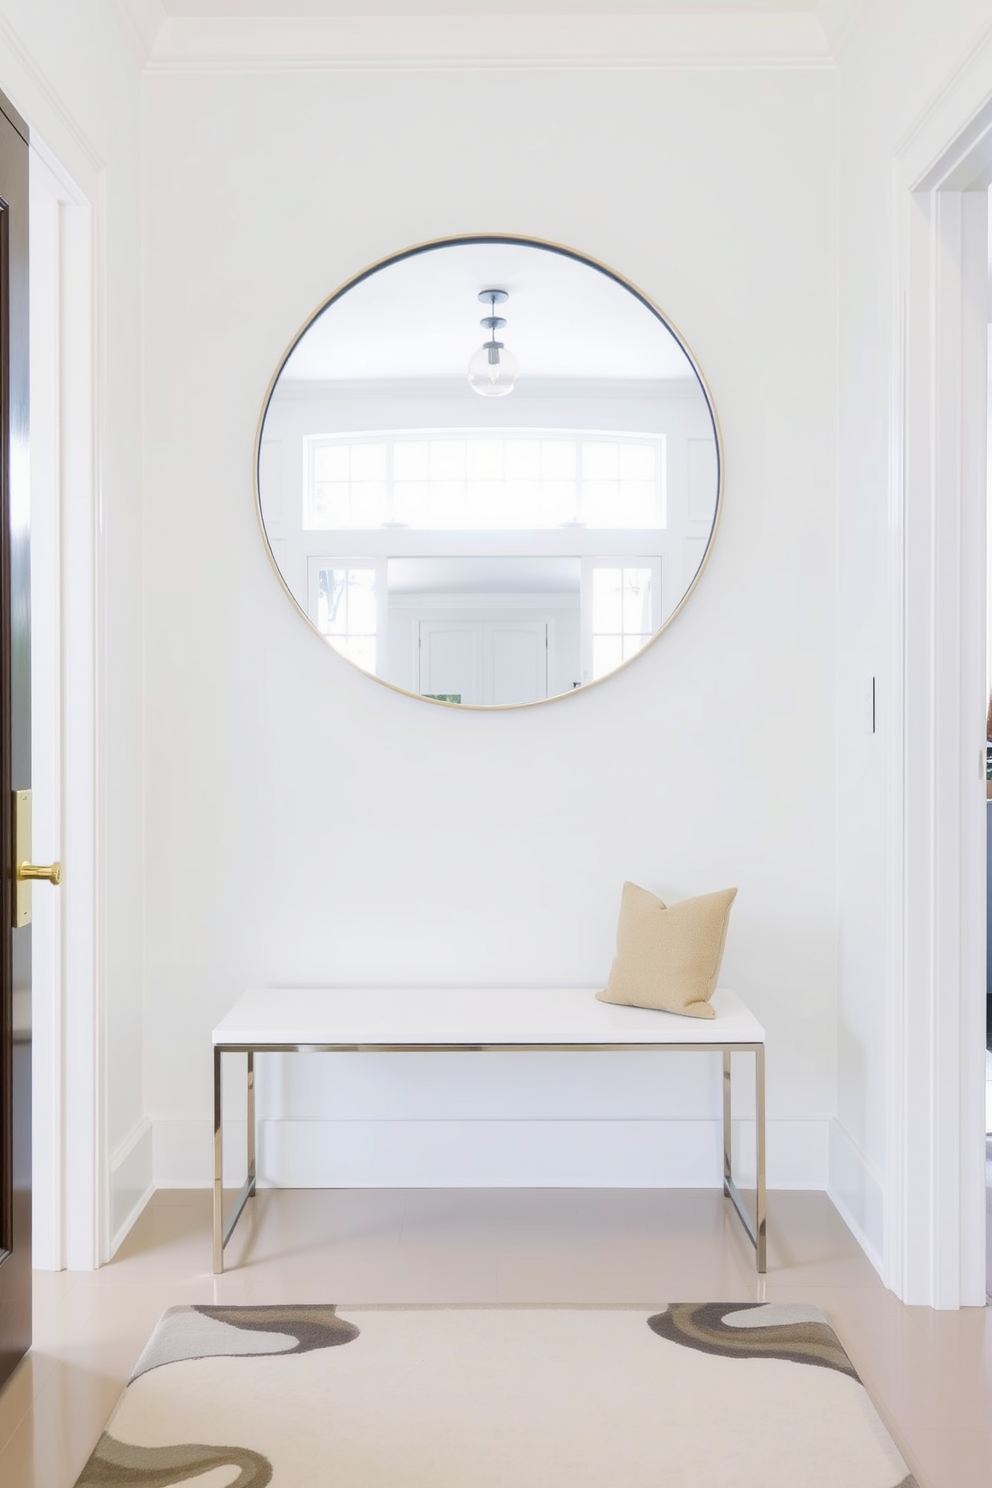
(338, 1020)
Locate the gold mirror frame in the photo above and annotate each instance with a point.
(575, 256)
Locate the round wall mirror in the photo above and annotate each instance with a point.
(488, 471)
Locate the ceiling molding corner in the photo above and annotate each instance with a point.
(141, 21)
(839, 19)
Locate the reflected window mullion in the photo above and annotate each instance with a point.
(468, 480)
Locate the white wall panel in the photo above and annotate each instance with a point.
(346, 834)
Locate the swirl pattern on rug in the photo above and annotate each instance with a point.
(754, 1330)
(251, 1396)
(202, 1332)
(117, 1464)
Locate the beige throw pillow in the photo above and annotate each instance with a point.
(668, 957)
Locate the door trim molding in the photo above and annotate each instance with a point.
(70, 1169)
(935, 1181)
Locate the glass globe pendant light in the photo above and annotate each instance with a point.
(492, 370)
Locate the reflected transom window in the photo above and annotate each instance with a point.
(473, 481)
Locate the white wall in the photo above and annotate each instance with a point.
(308, 826)
(65, 64)
(709, 761)
(898, 60)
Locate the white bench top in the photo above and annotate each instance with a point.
(471, 1016)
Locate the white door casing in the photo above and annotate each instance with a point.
(935, 1171)
(70, 1163)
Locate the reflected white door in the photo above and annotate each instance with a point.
(518, 652)
(451, 660)
(484, 661)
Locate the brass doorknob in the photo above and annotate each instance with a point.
(51, 873)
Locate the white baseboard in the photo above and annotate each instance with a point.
(131, 1181)
(855, 1189)
(490, 1154)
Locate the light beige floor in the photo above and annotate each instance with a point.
(930, 1374)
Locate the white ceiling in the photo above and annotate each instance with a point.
(281, 9)
(420, 317)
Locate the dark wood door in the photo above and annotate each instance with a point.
(15, 744)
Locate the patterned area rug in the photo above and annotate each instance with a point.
(696, 1396)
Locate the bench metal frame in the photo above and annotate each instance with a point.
(755, 1225)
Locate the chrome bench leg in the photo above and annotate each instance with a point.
(761, 1244)
(756, 1227)
(218, 1171)
(223, 1229)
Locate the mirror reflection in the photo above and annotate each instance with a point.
(488, 472)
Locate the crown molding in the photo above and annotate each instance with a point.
(34, 85)
(453, 43)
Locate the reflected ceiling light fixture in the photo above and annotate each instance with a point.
(492, 370)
